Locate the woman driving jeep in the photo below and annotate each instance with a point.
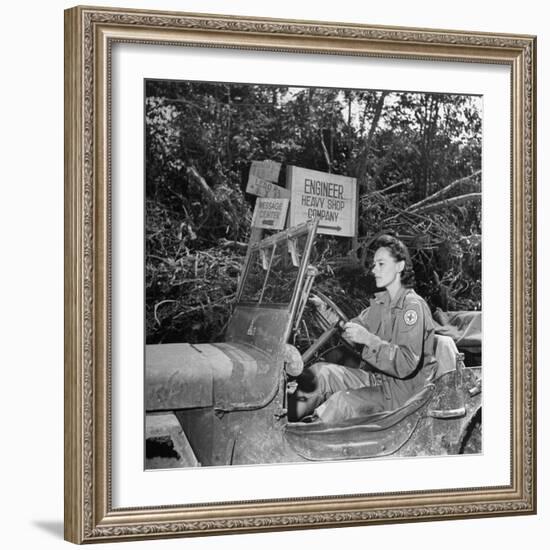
(396, 333)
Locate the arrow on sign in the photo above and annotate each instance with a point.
(267, 222)
(335, 227)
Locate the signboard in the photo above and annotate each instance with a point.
(262, 178)
(263, 188)
(329, 197)
(270, 213)
(265, 170)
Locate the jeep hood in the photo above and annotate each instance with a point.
(227, 376)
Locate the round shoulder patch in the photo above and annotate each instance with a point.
(410, 317)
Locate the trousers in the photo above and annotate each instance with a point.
(335, 393)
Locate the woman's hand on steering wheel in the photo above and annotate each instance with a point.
(336, 321)
(356, 333)
(332, 314)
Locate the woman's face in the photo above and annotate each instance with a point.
(386, 269)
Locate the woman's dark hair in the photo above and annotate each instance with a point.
(399, 252)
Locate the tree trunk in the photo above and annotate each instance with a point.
(325, 151)
(362, 161)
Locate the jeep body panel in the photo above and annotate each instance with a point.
(224, 376)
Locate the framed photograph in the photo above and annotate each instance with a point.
(300, 274)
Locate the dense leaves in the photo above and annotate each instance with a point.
(417, 158)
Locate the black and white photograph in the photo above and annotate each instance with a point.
(300, 275)
(313, 274)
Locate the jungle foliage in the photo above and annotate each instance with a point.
(417, 158)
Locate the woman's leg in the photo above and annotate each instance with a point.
(347, 404)
(319, 382)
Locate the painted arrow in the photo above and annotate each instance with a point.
(267, 222)
(334, 227)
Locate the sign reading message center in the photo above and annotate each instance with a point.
(329, 197)
(270, 213)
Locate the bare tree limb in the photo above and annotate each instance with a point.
(385, 190)
(453, 201)
(443, 192)
(395, 186)
(192, 171)
(158, 305)
(325, 151)
(167, 261)
(226, 243)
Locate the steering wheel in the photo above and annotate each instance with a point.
(334, 326)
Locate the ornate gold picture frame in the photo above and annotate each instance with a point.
(90, 36)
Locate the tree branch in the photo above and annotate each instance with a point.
(325, 150)
(392, 187)
(226, 243)
(158, 305)
(205, 188)
(442, 192)
(453, 201)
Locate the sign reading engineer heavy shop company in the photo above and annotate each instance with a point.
(329, 197)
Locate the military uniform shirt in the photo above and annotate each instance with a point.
(401, 347)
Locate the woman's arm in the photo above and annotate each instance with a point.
(401, 356)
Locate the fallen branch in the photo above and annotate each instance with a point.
(226, 243)
(192, 171)
(395, 186)
(442, 192)
(378, 193)
(386, 189)
(157, 306)
(168, 261)
(453, 201)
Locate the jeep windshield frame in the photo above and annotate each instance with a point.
(285, 242)
(288, 244)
